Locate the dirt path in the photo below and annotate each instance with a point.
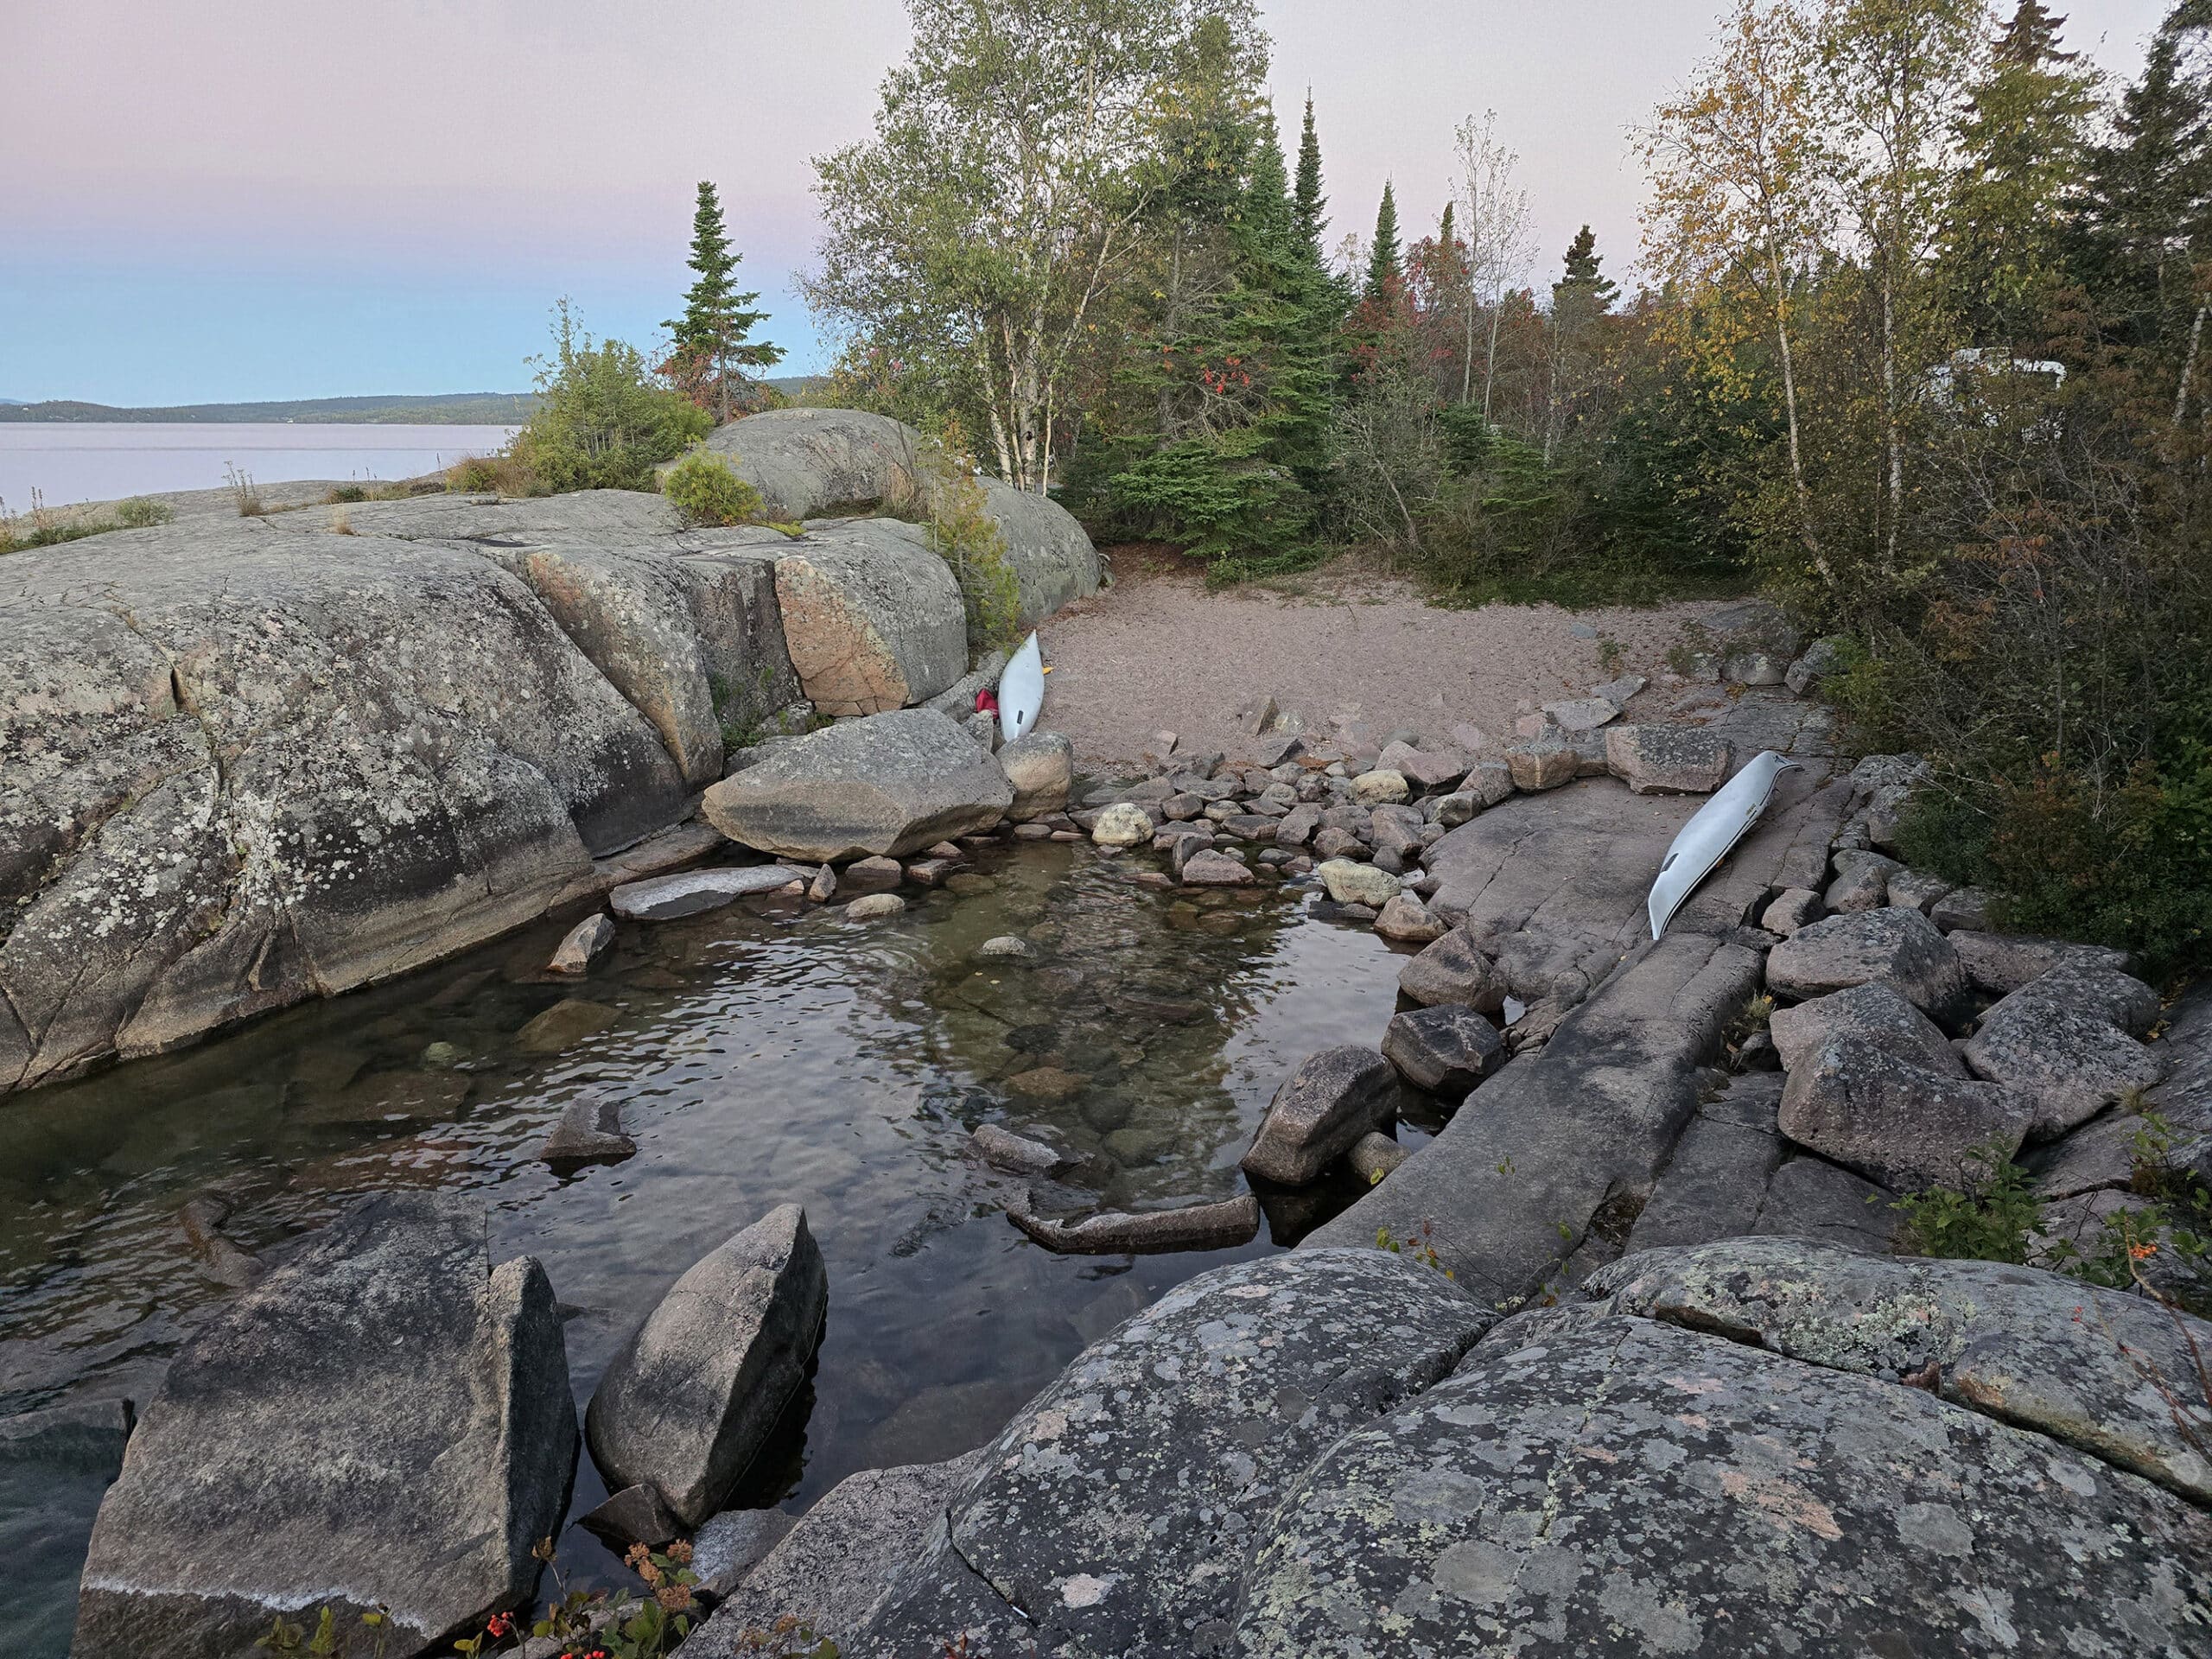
(1156, 651)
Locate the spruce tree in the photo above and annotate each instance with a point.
(1385, 263)
(1311, 221)
(710, 338)
(2022, 138)
(1584, 286)
(2147, 206)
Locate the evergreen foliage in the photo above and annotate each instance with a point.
(712, 348)
(1386, 272)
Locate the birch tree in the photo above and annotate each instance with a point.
(1736, 198)
(1498, 240)
(1894, 79)
(973, 239)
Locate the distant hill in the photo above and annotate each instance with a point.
(448, 409)
(454, 409)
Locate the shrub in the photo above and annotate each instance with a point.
(140, 513)
(501, 474)
(705, 491)
(602, 421)
(1217, 500)
(969, 539)
(1992, 1224)
(242, 490)
(340, 494)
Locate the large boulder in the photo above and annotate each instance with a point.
(824, 463)
(837, 1563)
(872, 618)
(1860, 1101)
(1899, 948)
(886, 785)
(1877, 1011)
(1113, 1514)
(1041, 767)
(383, 1422)
(2067, 1063)
(1607, 1484)
(688, 1400)
(249, 764)
(1672, 759)
(1453, 970)
(2045, 1353)
(1446, 1050)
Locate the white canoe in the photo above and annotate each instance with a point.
(1713, 830)
(1021, 691)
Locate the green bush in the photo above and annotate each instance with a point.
(602, 420)
(140, 513)
(969, 538)
(1218, 501)
(705, 491)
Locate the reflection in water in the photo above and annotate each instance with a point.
(760, 1053)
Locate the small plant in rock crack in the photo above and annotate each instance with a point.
(789, 1637)
(1421, 1249)
(1992, 1222)
(590, 1624)
(329, 1641)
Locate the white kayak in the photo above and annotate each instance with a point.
(1021, 691)
(1713, 830)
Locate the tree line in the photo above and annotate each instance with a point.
(1919, 348)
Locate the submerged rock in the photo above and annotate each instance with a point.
(589, 1132)
(583, 945)
(687, 1401)
(1190, 1227)
(666, 898)
(383, 1422)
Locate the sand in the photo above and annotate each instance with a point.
(1156, 652)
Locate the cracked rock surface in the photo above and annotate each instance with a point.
(1112, 1514)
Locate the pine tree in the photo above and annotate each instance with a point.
(711, 346)
(1385, 263)
(1312, 220)
(2023, 138)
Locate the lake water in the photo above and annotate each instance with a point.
(101, 461)
(763, 1052)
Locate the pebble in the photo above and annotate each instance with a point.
(868, 908)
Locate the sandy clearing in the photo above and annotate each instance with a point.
(1157, 651)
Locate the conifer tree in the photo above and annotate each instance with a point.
(1385, 261)
(2022, 140)
(1586, 286)
(1311, 219)
(711, 347)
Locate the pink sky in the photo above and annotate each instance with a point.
(506, 150)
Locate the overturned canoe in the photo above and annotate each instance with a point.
(1021, 691)
(1713, 830)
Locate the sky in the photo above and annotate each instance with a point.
(208, 201)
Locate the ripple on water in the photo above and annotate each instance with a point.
(761, 1053)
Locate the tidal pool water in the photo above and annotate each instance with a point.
(764, 1052)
